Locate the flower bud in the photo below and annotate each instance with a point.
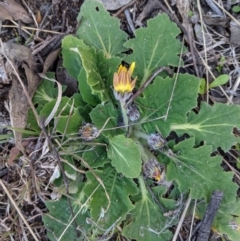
(88, 132)
(156, 141)
(154, 170)
(133, 112)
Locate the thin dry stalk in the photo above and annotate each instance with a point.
(192, 221)
(204, 45)
(29, 10)
(234, 89)
(31, 28)
(182, 218)
(224, 10)
(208, 68)
(18, 210)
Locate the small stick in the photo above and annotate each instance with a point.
(148, 81)
(181, 219)
(205, 227)
(123, 8)
(63, 20)
(235, 87)
(129, 20)
(214, 7)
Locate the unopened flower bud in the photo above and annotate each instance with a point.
(154, 170)
(156, 141)
(133, 112)
(88, 132)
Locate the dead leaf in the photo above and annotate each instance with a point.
(199, 34)
(32, 79)
(235, 31)
(3, 73)
(38, 17)
(15, 152)
(16, 52)
(114, 4)
(151, 6)
(216, 21)
(18, 104)
(16, 11)
(50, 60)
(4, 14)
(18, 101)
(183, 8)
(21, 54)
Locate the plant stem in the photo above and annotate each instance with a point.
(142, 186)
(140, 134)
(124, 114)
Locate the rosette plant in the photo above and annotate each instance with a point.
(129, 176)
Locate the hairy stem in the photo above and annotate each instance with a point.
(142, 186)
(124, 115)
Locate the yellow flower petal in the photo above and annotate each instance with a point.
(131, 69)
(122, 81)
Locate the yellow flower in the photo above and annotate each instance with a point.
(122, 81)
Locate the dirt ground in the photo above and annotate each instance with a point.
(57, 18)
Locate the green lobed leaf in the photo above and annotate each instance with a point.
(85, 89)
(32, 122)
(71, 60)
(69, 124)
(100, 116)
(45, 92)
(89, 59)
(84, 112)
(99, 29)
(69, 171)
(125, 156)
(194, 169)
(147, 221)
(154, 46)
(47, 108)
(168, 203)
(98, 73)
(63, 110)
(202, 87)
(220, 80)
(213, 125)
(156, 97)
(107, 67)
(119, 189)
(78, 101)
(97, 157)
(59, 217)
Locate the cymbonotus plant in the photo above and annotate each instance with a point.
(135, 142)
